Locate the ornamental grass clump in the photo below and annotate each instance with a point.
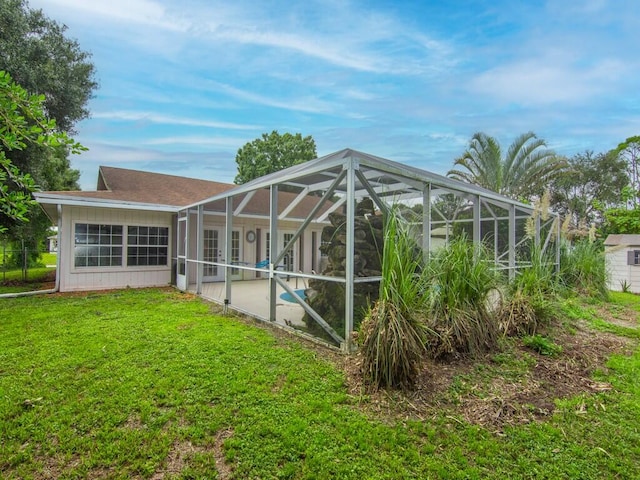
(531, 296)
(392, 335)
(583, 268)
(459, 319)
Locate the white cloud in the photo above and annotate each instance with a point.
(146, 12)
(198, 140)
(297, 103)
(544, 81)
(133, 116)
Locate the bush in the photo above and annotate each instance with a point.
(531, 298)
(392, 334)
(461, 277)
(392, 347)
(542, 345)
(583, 269)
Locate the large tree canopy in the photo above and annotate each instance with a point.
(271, 153)
(35, 51)
(23, 123)
(525, 170)
(38, 56)
(590, 184)
(629, 152)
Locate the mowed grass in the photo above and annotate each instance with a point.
(152, 384)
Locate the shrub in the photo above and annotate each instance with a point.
(531, 296)
(542, 345)
(461, 277)
(583, 268)
(392, 334)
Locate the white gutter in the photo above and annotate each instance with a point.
(56, 286)
(55, 199)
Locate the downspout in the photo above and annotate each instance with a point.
(56, 286)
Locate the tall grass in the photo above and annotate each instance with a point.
(462, 278)
(392, 335)
(531, 296)
(583, 268)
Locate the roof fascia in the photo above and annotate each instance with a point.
(101, 203)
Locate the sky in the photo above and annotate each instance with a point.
(184, 84)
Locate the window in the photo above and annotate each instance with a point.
(235, 250)
(211, 252)
(633, 257)
(147, 246)
(97, 245)
(104, 245)
(267, 246)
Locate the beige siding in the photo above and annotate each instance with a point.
(248, 253)
(98, 278)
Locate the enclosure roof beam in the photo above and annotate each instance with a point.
(294, 203)
(247, 198)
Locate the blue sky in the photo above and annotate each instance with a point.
(184, 84)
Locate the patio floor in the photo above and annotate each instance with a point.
(251, 297)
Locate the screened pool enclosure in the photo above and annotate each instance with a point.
(301, 247)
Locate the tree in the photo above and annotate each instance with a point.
(621, 220)
(590, 184)
(35, 51)
(40, 58)
(629, 151)
(22, 123)
(271, 153)
(524, 171)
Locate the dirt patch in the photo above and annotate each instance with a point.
(57, 466)
(623, 317)
(223, 468)
(485, 392)
(178, 458)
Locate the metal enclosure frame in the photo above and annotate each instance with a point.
(339, 180)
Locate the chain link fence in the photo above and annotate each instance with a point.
(19, 263)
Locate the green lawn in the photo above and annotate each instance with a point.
(152, 384)
(38, 278)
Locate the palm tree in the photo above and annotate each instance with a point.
(526, 169)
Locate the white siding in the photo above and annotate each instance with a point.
(620, 272)
(248, 254)
(99, 278)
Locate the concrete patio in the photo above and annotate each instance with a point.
(251, 297)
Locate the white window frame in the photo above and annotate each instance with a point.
(124, 266)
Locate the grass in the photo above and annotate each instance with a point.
(36, 279)
(392, 336)
(144, 383)
(11, 280)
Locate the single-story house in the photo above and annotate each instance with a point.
(123, 234)
(622, 255)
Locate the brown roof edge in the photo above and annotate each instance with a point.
(102, 181)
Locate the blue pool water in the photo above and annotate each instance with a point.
(287, 297)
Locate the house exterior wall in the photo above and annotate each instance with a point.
(99, 278)
(254, 252)
(620, 272)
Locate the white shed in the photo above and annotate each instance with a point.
(622, 254)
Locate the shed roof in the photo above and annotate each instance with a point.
(628, 240)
